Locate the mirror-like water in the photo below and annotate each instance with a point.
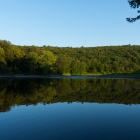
(69, 109)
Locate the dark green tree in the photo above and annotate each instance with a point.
(134, 4)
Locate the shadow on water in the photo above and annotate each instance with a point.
(46, 91)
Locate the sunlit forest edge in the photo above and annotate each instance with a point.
(49, 60)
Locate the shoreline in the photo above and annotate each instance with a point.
(72, 76)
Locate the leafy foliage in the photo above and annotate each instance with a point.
(48, 60)
(134, 4)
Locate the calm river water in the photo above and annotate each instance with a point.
(69, 109)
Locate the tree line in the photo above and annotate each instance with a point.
(46, 60)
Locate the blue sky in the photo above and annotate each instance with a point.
(68, 22)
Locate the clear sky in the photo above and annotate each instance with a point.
(68, 22)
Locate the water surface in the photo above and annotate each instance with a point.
(71, 109)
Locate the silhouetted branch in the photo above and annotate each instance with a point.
(134, 4)
(133, 19)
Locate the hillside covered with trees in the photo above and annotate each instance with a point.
(46, 60)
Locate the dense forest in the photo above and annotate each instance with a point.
(46, 60)
(46, 91)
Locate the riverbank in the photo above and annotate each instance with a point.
(73, 76)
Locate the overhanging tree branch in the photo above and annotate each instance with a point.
(134, 4)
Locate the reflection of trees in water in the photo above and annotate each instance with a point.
(33, 91)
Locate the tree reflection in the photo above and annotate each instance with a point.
(46, 91)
